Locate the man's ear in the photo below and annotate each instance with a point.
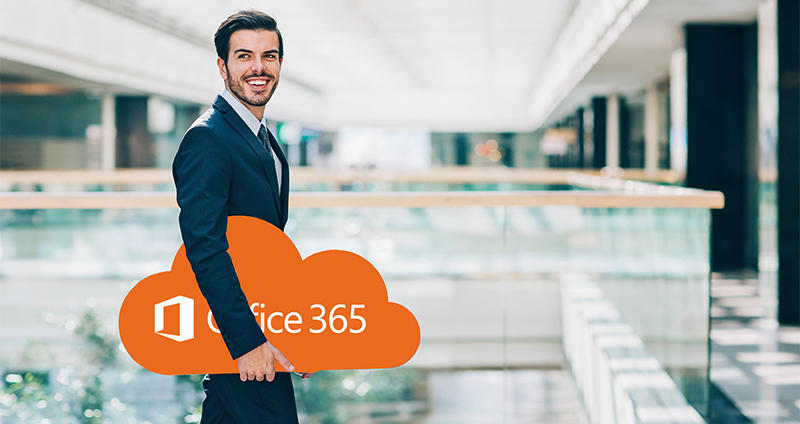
(223, 70)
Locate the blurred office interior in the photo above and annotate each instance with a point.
(591, 206)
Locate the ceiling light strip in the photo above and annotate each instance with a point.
(132, 10)
(591, 30)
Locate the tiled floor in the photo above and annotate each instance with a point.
(754, 361)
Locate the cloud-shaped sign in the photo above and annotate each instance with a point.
(328, 312)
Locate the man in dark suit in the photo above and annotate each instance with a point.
(228, 163)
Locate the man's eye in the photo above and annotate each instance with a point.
(244, 56)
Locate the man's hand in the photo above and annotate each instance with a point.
(258, 364)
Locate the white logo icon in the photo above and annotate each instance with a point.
(185, 314)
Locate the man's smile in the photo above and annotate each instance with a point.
(259, 82)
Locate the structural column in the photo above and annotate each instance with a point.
(677, 113)
(134, 143)
(612, 131)
(462, 149)
(651, 129)
(722, 135)
(108, 124)
(599, 132)
(788, 186)
(507, 143)
(579, 128)
(624, 134)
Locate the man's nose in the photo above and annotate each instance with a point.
(257, 65)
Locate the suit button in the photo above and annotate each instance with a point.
(231, 345)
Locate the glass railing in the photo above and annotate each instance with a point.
(483, 272)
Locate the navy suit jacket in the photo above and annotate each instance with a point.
(222, 169)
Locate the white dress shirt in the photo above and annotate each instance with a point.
(254, 124)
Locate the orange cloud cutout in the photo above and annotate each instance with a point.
(366, 331)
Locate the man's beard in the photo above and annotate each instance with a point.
(257, 99)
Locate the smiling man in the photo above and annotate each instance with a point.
(228, 163)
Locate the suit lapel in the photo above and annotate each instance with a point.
(255, 144)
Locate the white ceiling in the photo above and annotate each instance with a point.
(641, 55)
(400, 45)
(445, 65)
(442, 64)
(455, 65)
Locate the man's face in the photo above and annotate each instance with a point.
(253, 68)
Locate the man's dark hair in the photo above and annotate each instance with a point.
(245, 19)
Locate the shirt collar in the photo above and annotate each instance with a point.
(249, 119)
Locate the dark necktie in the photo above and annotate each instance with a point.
(262, 135)
(264, 138)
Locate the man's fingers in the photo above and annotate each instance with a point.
(251, 364)
(259, 375)
(282, 361)
(270, 374)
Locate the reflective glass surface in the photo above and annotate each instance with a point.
(483, 282)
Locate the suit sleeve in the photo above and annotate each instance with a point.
(202, 171)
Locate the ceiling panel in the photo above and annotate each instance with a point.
(413, 62)
(389, 45)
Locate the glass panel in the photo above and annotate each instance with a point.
(484, 283)
(651, 264)
(66, 243)
(444, 264)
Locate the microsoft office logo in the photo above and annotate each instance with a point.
(185, 318)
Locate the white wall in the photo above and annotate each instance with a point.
(86, 42)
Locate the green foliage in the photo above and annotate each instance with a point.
(25, 398)
(91, 401)
(92, 330)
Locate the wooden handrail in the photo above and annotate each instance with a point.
(87, 176)
(677, 198)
